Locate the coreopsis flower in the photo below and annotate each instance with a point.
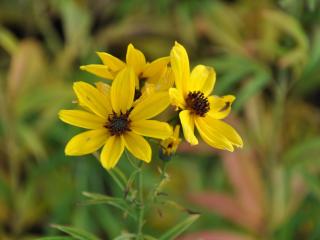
(197, 108)
(134, 58)
(113, 122)
(169, 146)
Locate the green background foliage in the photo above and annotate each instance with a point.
(266, 52)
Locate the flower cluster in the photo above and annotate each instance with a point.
(119, 116)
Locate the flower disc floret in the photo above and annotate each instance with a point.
(198, 103)
(118, 123)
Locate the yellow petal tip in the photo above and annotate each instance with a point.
(107, 167)
(60, 113)
(77, 84)
(194, 142)
(67, 151)
(130, 46)
(148, 160)
(100, 54)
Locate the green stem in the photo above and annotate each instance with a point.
(115, 174)
(141, 203)
(164, 170)
(116, 179)
(163, 178)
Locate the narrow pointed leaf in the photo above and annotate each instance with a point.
(96, 198)
(256, 84)
(307, 149)
(179, 228)
(125, 236)
(79, 234)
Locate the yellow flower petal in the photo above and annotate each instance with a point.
(187, 122)
(103, 88)
(167, 80)
(176, 132)
(202, 79)
(113, 63)
(220, 107)
(91, 98)
(154, 79)
(225, 129)
(176, 98)
(180, 67)
(218, 134)
(81, 119)
(98, 70)
(86, 142)
(122, 90)
(155, 67)
(151, 128)
(150, 106)
(170, 145)
(163, 80)
(138, 146)
(212, 138)
(112, 152)
(136, 59)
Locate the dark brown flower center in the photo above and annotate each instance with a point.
(198, 103)
(118, 123)
(137, 94)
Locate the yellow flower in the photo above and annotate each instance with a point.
(197, 108)
(170, 145)
(134, 58)
(113, 122)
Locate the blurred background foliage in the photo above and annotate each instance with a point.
(265, 52)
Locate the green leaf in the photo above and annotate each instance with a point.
(250, 89)
(8, 41)
(76, 233)
(106, 219)
(179, 228)
(55, 238)
(306, 149)
(125, 236)
(312, 182)
(229, 80)
(289, 25)
(312, 4)
(242, 67)
(116, 173)
(309, 79)
(76, 22)
(222, 19)
(32, 141)
(96, 198)
(148, 237)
